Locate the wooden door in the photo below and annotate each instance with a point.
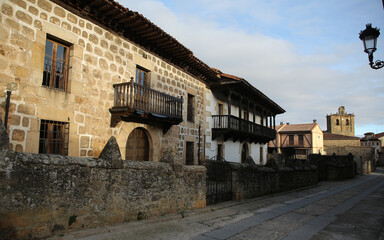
(137, 146)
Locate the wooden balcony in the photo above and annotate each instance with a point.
(241, 130)
(136, 103)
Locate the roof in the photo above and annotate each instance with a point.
(330, 136)
(379, 135)
(138, 29)
(285, 128)
(244, 87)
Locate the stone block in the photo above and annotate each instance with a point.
(85, 141)
(33, 10)
(59, 12)
(66, 26)
(72, 18)
(19, 148)
(44, 4)
(55, 20)
(37, 24)
(22, 16)
(12, 24)
(18, 135)
(7, 10)
(28, 32)
(26, 109)
(93, 38)
(14, 120)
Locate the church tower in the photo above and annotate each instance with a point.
(341, 123)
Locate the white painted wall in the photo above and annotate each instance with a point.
(232, 150)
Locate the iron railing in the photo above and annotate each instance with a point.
(138, 97)
(242, 125)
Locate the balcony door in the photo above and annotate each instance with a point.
(244, 153)
(137, 148)
(140, 91)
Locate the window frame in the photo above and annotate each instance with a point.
(190, 108)
(291, 140)
(301, 140)
(142, 76)
(49, 137)
(51, 63)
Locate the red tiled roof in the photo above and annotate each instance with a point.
(330, 136)
(306, 127)
(379, 135)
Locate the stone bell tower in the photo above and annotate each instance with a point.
(341, 123)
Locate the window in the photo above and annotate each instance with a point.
(291, 140)
(54, 137)
(189, 159)
(220, 155)
(190, 108)
(261, 155)
(141, 76)
(337, 122)
(56, 65)
(347, 122)
(301, 140)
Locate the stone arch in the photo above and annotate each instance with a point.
(124, 129)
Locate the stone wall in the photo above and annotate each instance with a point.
(99, 58)
(334, 167)
(51, 194)
(363, 156)
(250, 181)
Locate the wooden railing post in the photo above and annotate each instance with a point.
(131, 93)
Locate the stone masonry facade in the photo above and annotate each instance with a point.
(98, 59)
(45, 194)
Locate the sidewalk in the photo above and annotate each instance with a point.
(192, 224)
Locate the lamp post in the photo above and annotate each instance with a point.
(369, 37)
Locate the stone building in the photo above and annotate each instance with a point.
(298, 140)
(337, 140)
(80, 72)
(241, 120)
(373, 140)
(341, 123)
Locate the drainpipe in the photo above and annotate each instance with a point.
(7, 109)
(199, 151)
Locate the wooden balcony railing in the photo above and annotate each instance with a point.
(132, 100)
(242, 126)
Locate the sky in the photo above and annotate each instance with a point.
(305, 55)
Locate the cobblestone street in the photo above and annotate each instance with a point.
(352, 209)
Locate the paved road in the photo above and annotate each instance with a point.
(352, 209)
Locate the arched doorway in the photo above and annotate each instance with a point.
(137, 148)
(244, 153)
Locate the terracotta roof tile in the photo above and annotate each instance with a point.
(330, 136)
(306, 127)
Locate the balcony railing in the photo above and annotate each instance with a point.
(242, 128)
(132, 97)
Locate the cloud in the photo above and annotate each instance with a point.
(307, 69)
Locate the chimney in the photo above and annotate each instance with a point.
(281, 123)
(314, 121)
(287, 123)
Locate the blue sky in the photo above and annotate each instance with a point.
(303, 54)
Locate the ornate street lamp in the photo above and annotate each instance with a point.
(369, 37)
